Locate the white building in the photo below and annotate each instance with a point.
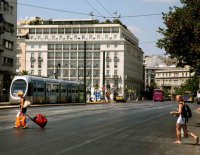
(8, 20)
(53, 42)
(163, 73)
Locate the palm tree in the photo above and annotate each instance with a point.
(24, 72)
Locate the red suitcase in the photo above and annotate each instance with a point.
(40, 120)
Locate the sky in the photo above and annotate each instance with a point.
(143, 27)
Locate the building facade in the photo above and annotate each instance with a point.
(47, 47)
(8, 22)
(171, 78)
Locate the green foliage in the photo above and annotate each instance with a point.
(191, 85)
(115, 21)
(24, 72)
(182, 33)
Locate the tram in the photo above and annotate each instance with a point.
(46, 90)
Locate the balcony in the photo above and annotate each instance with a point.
(40, 59)
(116, 59)
(108, 59)
(32, 59)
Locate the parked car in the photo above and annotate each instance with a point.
(120, 98)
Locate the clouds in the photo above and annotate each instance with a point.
(161, 1)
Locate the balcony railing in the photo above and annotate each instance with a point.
(116, 59)
(32, 59)
(40, 59)
(108, 59)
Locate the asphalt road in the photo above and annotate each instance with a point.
(109, 129)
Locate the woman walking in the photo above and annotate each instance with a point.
(21, 117)
(181, 122)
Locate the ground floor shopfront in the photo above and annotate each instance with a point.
(5, 81)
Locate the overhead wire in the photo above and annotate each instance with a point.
(104, 8)
(93, 8)
(85, 14)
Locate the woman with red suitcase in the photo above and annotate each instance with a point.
(21, 117)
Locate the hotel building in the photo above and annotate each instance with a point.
(46, 47)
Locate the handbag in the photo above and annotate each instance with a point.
(26, 104)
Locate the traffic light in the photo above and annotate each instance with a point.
(108, 86)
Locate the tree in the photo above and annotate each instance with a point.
(191, 85)
(182, 33)
(24, 72)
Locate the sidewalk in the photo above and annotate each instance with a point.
(5, 105)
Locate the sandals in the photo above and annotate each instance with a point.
(197, 140)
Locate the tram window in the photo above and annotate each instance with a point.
(40, 89)
(18, 85)
(63, 90)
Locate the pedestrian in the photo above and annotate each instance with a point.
(181, 122)
(21, 117)
(108, 96)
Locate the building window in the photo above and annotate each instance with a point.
(65, 55)
(73, 55)
(32, 31)
(38, 31)
(39, 72)
(8, 44)
(50, 55)
(53, 31)
(115, 72)
(58, 46)
(7, 62)
(58, 55)
(91, 30)
(73, 46)
(68, 31)
(46, 31)
(32, 64)
(80, 47)
(115, 64)
(96, 46)
(60, 30)
(11, 10)
(75, 30)
(115, 30)
(106, 30)
(39, 64)
(83, 30)
(98, 30)
(107, 72)
(66, 47)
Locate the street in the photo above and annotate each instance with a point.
(140, 128)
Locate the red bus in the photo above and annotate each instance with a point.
(158, 95)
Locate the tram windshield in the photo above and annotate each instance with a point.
(18, 85)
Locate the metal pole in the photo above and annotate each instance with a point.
(85, 71)
(78, 73)
(103, 75)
